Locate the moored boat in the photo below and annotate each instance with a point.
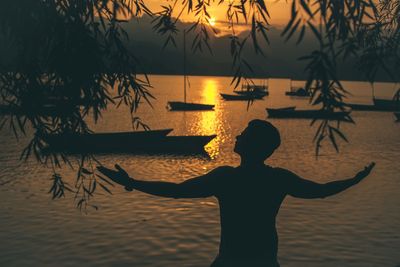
(251, 93)
(180, 144)
(185, 106)
(379, 104)
(386, 104)
(298, 91)
(155, 141)
(244, 97)
(291, 112)
(253, 90)
(103, 141)
(373, 107)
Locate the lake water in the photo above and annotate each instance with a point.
(359, 227)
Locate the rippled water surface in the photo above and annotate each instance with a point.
(360, 227)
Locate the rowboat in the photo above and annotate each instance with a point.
(103, 141)
(243, 97)
(185, 106)
(299, 91)
(387, 104)
(291, 112)
(379, 105)
(179, 144)
(155, 141)
(253, 90)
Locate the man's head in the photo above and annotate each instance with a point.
(258, 141)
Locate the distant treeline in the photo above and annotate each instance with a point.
(280, 59)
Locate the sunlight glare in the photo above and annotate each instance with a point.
(210, 122)
(212, 21)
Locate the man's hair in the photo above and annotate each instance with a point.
(266, 135)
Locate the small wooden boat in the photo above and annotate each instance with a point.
(291, 112)
(184, 106)
(292, 108)
(386, 104)
(103, 141)
(379, 104)
(298, 91)
(253, 90)
(363, 107)
(244, 97)
(251, 93)
(367, 107)
(397, 114)
(141, 142)
(47, 110)
(179, 144)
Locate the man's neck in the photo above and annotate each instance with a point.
(251, 163)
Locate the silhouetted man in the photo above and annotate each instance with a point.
(249, 196)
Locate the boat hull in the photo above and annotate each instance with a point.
(253, 90)
(230, 97)
(180, 144)
(299, 94)
(134, 142)
(298, 91)
(252, 93)
(182, 106)
(103, 141)
(386, 104)
(366, 107)
(288, 113)
(380, 106)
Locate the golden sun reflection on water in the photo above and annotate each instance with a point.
(210, 122)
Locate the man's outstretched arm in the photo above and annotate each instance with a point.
(197, 187)
(302, 188)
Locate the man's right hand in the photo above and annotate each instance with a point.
(364, 173)
(119, 176)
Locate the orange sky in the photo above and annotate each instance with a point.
(279, 10)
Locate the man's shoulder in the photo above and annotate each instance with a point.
(221, 171)
(282, 172)
(219, 174)
(224, 169)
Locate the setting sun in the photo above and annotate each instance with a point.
(212, 21)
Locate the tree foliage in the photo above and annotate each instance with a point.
(70, 54)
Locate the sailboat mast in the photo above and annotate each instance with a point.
(184, 65)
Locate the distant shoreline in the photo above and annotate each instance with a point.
(296, 78)
(263, 77)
